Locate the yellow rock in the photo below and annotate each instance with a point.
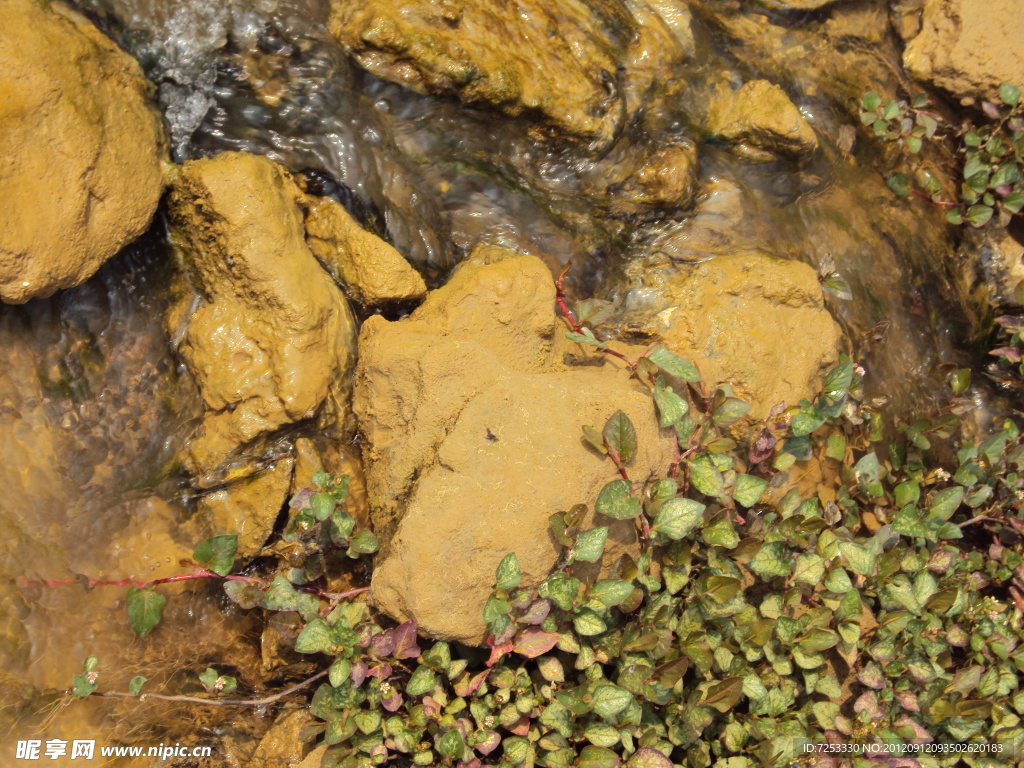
(81, 166)
(761, 119)
(276, 337)
(374, 273)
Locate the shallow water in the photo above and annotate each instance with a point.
(93, 406)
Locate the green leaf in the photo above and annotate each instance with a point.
(281, 596)
(772, 559)
(838, 380)
(588, 623)
(955, 218)
(422, 681)
(1014, 202)
(809, 569)
(595, 439)
(609, 700)
(593, 311)
(837, 285)
(495, 607)
(1010, 94)
(508, 575)
(674, 365)
(315, 637)
(217, 554)
(671, 407)
(620, 436)
(858, 559)
(135, 686)
(945, 503)
(914, 144)
(611, 592)
(871, 101)
(145, 608)
(81, 687)
(339, 672)
(363, 543)
(597, 757)
(898, 184)
(322, 505)
(835, 447)
(590, 545)
(451, 745)
(705, 476)
(807, 420)
(517, 749)
(960, 381)
(587, 337)
(892, 110)
(907, 492)
(730, 411)
(979, 215)
(678, 517)
(615, 501)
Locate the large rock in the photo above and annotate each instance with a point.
(749, 320)
(81, 166)
(275, 337)
(560, 60)
(471, 420)
(968, 47)
(761, 120)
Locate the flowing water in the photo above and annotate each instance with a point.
(94, 406)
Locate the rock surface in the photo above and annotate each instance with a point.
(373, 272)
(755, 322)
(560, 60)
(760, 119)
(472, 425)
(275, 338)
(968, 47)
(81, 171)
(664, 180)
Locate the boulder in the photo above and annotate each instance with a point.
(471, 418)
(373, 272)
(664, 180)
(752, 321)
(968, 47)
(761, 121)
(559, 60)
(83, 149)
(275, 338)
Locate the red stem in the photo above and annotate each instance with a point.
(570, 318)
(923, 196)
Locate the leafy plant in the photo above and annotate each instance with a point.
(991, 184)
(885, 610)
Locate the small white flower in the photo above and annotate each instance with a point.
(942, 474)
(488, 721)
(859, 370)
(219, 685)
(92, 677)
(385, 688)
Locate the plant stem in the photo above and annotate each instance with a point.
(221, 702)
(923, 196)
(570, 318)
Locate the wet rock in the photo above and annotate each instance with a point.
(968, 47)
(83, 148)
(247, 508)
(663, 180)
(989, 267)
(372, 271)
(557, 60)
(471, 419)
(760, 120)
(275, 339)
(796, 5)
(749, 320)
(282, 746)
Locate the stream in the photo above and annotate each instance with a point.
(95, 406)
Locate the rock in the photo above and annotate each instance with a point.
(795, 5)
(749, 320)
(988, 268)
(374, 273)
(282, 746)
(247, 508)
(275, 339)
(559, 60)
(760, 119)
(968, 47)
(664, 180)
(81, 172)
(471, 420)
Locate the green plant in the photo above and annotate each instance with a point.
(991, 184)
(881, 612)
